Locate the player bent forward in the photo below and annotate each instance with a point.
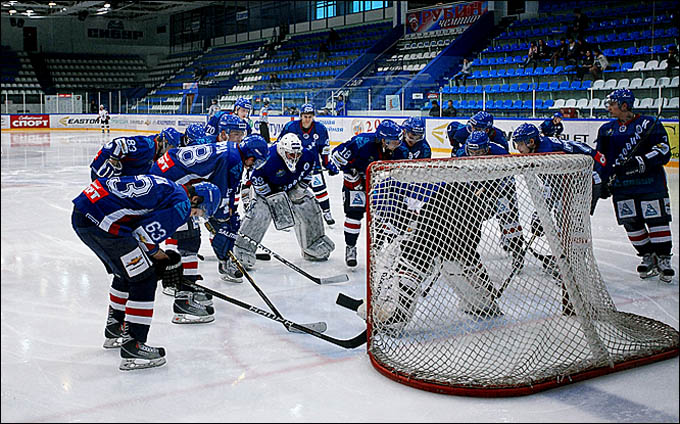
(282, 195)
(123, 219)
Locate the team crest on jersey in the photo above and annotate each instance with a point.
(650, 209)
(626, 208)
(623, 128)
(305, 136)
(610, 131)
(135, 262)
(358, 199)
(315, 137)
(280, 173)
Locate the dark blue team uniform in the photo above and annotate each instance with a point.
(496, 135)
(140, 155)
(420, 150)
(315, 138)
(275, 176)
(550, 129)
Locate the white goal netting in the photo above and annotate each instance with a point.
(482, 280)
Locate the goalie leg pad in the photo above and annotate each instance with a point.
(280, 210)
(310, 231)
(254, 226)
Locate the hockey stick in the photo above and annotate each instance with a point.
(515, 270)
(352, 343)
(318, 280)
(348, 302)
(316, 326)
(259, 255)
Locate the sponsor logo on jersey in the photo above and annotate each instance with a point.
(135, 262)
(650, 209)
(29, 121)
(165, 162)
(94, 192)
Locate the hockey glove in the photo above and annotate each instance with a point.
(414, 205)
(536, 227)
(634, 166)
(170, 270)
(332, 168)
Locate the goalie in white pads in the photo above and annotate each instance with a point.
(282, 195)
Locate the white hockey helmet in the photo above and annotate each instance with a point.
(290, 150)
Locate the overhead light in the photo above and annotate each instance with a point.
(63, 9)
(52, 4)
(12, 11)
(107, 5)
(29, 11)
(103, 12)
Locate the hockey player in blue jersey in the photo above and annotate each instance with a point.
(193, 134)
(414, 145)
(553, 127)
(221, 164)
(242, 109)
(507, 212)
(638, 186)
(123, 220)
(282, 196)
(132, 155)
(451, 130)
(314, 136)
(213, 123)
(480, 121)
(353, 158)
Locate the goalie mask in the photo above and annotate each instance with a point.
(414, 130)
(290, 150)
(210, 197)
(477, 144)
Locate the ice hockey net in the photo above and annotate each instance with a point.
(451, 310)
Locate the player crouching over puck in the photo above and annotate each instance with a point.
(123, 220)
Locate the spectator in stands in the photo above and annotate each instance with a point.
(672, 61)
(450, 110)
(531, 55)
(542, 50)
(323, 52)
(93, 107)
(274, 82)
(560, 52)
(573, 52)
(340, 107)
(333, 38)
(579, 25)
(435, 111)
(601, 63)
(587, 62)
(213, 109)
(294, 57)
(464, 72)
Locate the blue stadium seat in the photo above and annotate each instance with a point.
(505, 88)
(498, 104)
(564, 85)
(575, 85)
(485, 73)
(519, 72)
(510, 72)
(507, 104)
(493, 73)
(526, 104)
(456, 104)
(629, 51)
(495, 88)
(554, 86)
(487, 88)
(533, 86)
(543, 86)
(539, 103)
(478, 89)
(586, 84)
(523, 87)
(469, 89)
(489, 104)
(514, 88)
(463, 104)
(538, 70)
(558, 69)
(501, 73)
(548, 70)
(548, 104)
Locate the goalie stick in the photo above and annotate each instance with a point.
(316, 326)
(352, 343)
(318, 280)
(515, 270)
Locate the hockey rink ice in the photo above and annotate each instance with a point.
(244, 367)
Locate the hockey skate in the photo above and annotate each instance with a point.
(229, 272)
(328, 217)
(647, 267)
(137, 355)
(114, 334)
(490, 310)
(188, 311)
(351, 256)
(665, 269)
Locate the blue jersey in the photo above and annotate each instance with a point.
(550, 129)
(136, 155)
(218, 163)
(275, 176)
(495, 135)
(420, 150)
(355, 155)
(315, 138)
(213, 123)
(146, 207)
(615, 141)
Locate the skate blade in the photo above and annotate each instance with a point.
(130, 364)
(649, 274)
(665, 278)
(113, 343)
(169, 291)
(192, 319)
(231, 279)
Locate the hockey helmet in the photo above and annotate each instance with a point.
(524, 133)
(211, 197)
(477, 144)
(620, 96)
(306, 108)
(414, 129)
(172, 137)
(481, 121)
(231, 123)
(244, 103)
(254, 146)
(194, 132)
(289, 147)
(389, 132)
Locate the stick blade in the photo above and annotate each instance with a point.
(335, 279)
(263, 256)
(348, 302)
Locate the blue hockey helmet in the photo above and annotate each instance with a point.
(482, 121)
(451, 130)
(244, 103)
(477, 143)
(172, 137)
(524, 133)
(306, 108)
(254, 146)
(414, 128)
(620, 96)
(211, 197)
(558, 114)
(231, 123)
(389, 132)
(194, 132)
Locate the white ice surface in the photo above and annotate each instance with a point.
(244, 367)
